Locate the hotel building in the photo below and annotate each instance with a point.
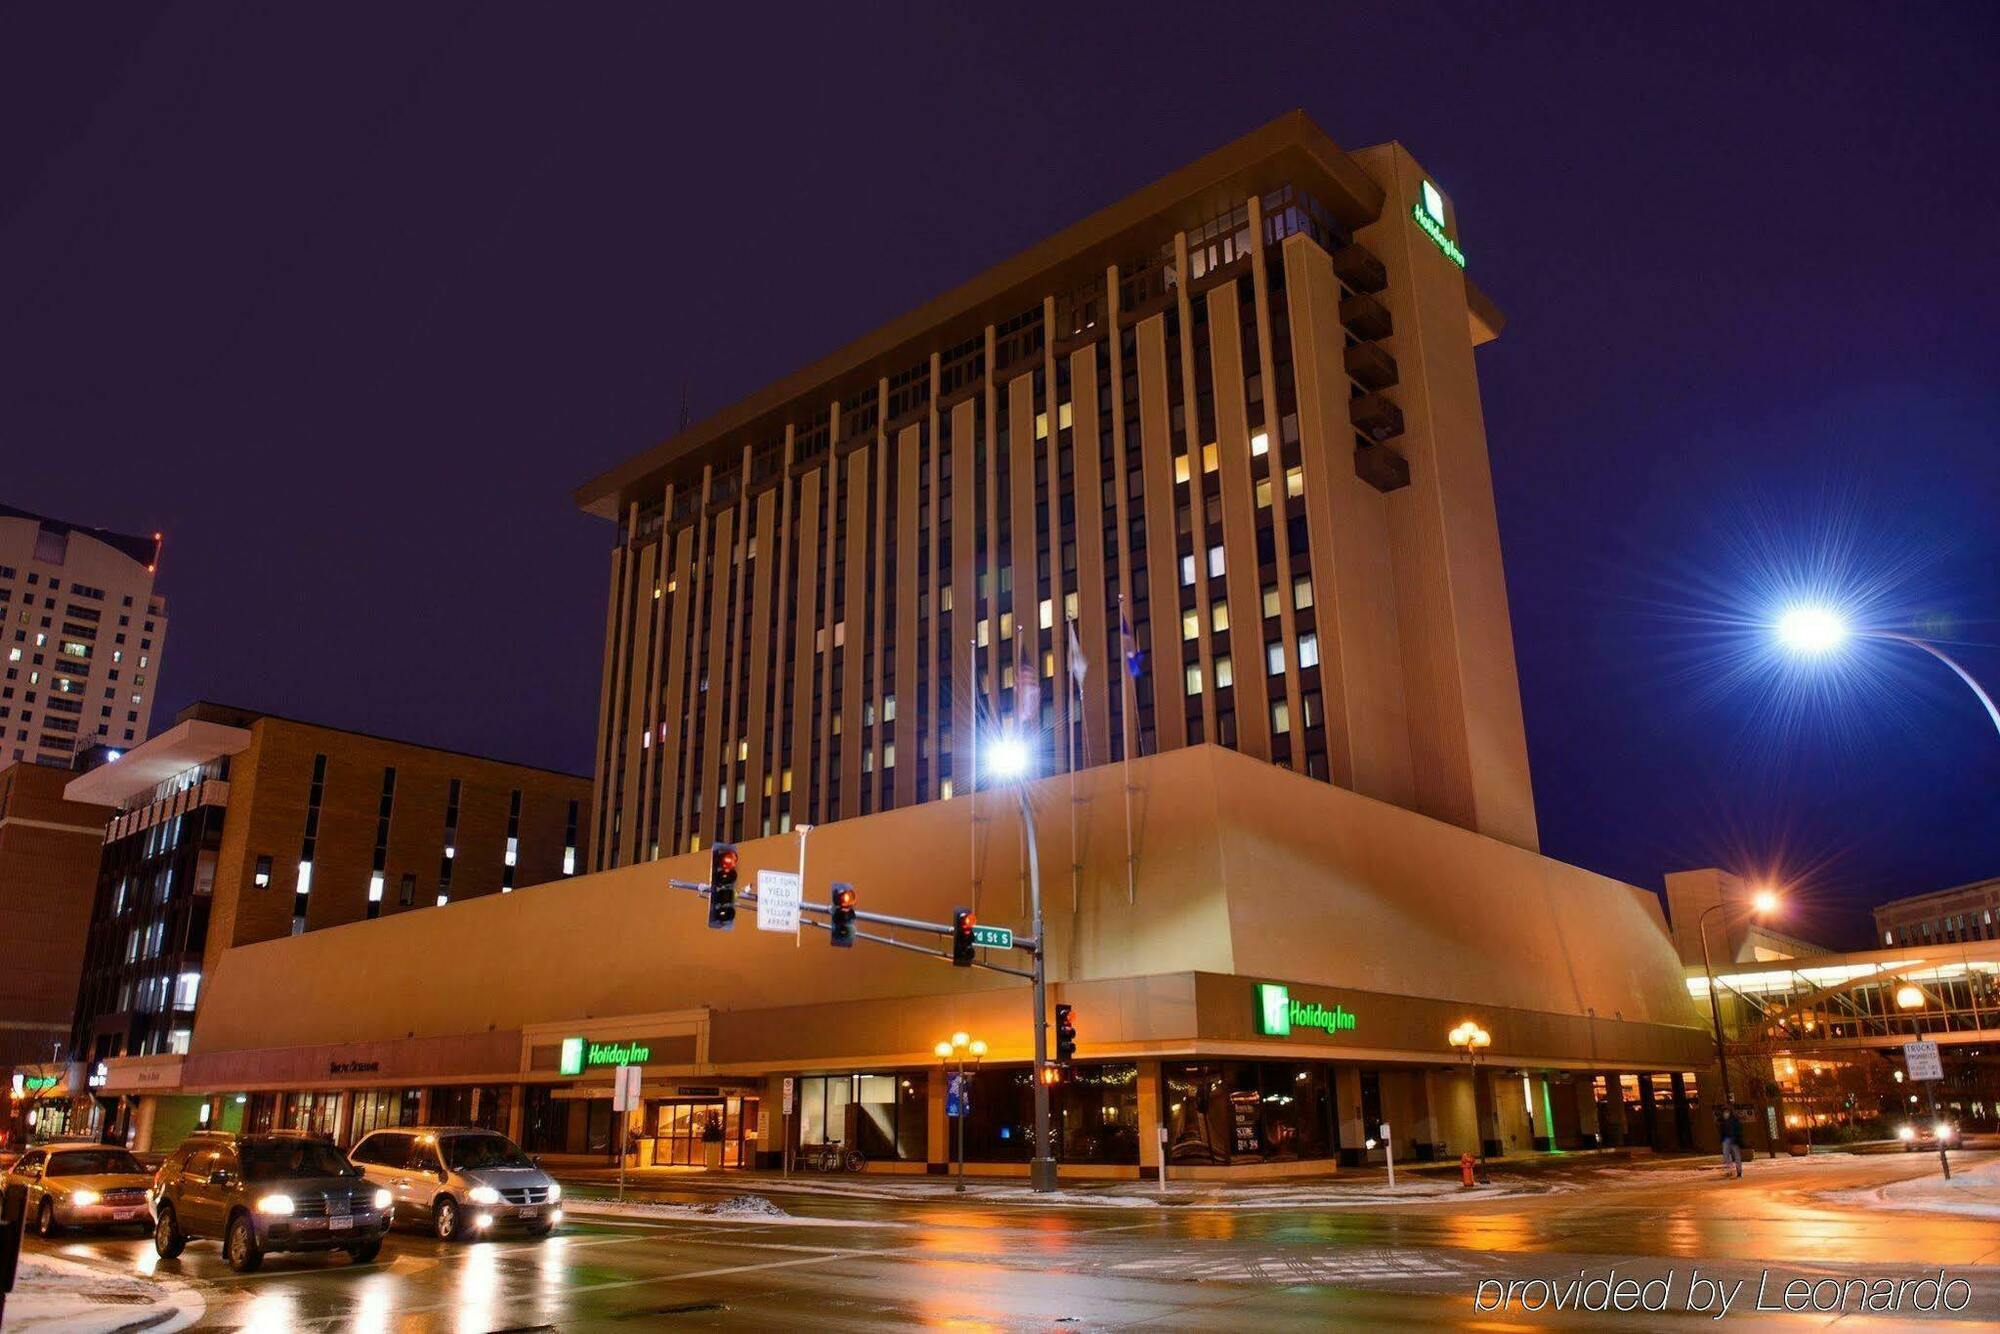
(81, 633)
(1226, 434)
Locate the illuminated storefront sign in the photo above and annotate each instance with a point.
(580, 1054)
(1429, 215)
(1278, 1013)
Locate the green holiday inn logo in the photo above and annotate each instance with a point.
(1429, 215)
(1277, 1012)
(577, 1055)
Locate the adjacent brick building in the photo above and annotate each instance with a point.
(48, 878)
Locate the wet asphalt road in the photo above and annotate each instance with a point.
(872, 1264)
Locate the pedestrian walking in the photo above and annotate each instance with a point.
(1732, 1141)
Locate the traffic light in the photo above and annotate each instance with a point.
(722, 887)
(962, 923)
(841, 928)
(1065, 1035)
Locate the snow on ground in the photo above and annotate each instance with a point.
(1127, 1195)
(56, 1294)
(1973, 1191)
(736, 1209)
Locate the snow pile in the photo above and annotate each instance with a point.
(1973, 1191)
(54, 1294)
(748, 1209)
(743, 1206)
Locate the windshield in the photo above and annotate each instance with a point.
(94, 1162)
(479, 1153)
(273, 1160)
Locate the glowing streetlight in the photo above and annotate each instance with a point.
(1008, 757)
(1909, 998)
(957, 1052)
(942, 1051)
(1811, 629)
(1469, 1039)
(1765, 902)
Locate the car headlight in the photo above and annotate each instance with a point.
(555, 1192)
(1943, 1130)
(1906, 1132)
(383, 1199)
(84, 1198)
(275, 1204)
(483, 1195)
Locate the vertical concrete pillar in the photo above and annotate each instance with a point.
(1615, 1133)
(1424, 1136)
(1683, 1114)
(1487, 1092)
(1649, 1121)
(142, 1130)
(517, 1112)
(1347, 1114)
(1152, 1117)
(1589, 1132)
(937, 1151)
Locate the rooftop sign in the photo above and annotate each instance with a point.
(1277, 1013)
(1429, 215)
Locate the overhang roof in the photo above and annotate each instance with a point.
(147, 765)
(1288, 150)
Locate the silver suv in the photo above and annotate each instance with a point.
(465, 1180)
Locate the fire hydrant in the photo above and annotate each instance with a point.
(1466, 1169)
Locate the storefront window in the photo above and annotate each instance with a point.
(883, 1114)
(376, 1108)
(1248, 1112)
(1094, 1114)
(482, 1105)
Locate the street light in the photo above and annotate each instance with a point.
(1911, 997)
(1009, 759)
(1814, 630)
(1763, 903)
(1470, 1039)
(953, 1052)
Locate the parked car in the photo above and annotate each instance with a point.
(81, 1185)
(463, 1180)
(276, 1191)
(1918, 1135)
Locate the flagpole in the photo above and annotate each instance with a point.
(972, 753)
(1125, 676)
(1079, 750)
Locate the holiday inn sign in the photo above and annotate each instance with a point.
(579, 1054)
(1278, 1013)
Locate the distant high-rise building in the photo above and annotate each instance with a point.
(1208, 466)
(83, 633)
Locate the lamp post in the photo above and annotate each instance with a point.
(1008, 758)
(1469, 1039)
(1762, 904)
(1813, 631)
(957, 1050)
(1910, 997)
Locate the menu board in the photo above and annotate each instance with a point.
(1243, 1137)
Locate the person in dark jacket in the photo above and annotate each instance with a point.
(1732, 1140)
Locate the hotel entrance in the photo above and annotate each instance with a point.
(685, 1130)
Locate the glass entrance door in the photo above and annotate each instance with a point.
(681, 1130)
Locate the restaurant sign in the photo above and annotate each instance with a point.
(1278, 1013)
(580, 1054)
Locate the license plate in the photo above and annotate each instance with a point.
(339, 1221)
(527, 1213)
(124, 1215)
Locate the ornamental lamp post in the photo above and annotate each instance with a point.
(956, 1051)
(1763, 903)
(1469, 1039)
(1009, 759)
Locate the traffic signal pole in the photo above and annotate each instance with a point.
(1042, 1168)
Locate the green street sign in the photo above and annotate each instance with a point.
(997, 937)
(579, 1054)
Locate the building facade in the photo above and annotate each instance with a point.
(83, 635)
(233, 826)
(1250, 882)
(1208, 466)
(1943, 917)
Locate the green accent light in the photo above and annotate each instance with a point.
(1339, 1019)
(1435, 230)
(1274, 1010)
(572, 1056)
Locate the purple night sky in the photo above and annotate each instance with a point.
(347, 299)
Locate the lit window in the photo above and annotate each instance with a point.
(1263, 493)
(1270, 599)
(143, 657)
(305, 878)
(513, 851)
(1190, 625)
(839, 634)
(443, 899)
(1302, 592)
(1308, 650)
(1210, 458)
(743, 749)
(1281, 718)
(450, 851)
(1187, 571)
(117, 654)
(1260, 444)
(888, 708)
(889, 755)
(263, 877)
(1194, 678)
(985, 630)
(1218, 616)
(1069, 606)
(1215, 562)
(375, 888)
(1180, 468)
(1041, 426)
(1225, 672)
(1274, 656)
(1295, 482)
(788, 780)
(186, 988)
(1064, 418)
(1006, 625)
(569, 861)
(945, 790)
(1048, 613)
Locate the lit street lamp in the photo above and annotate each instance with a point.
(1812, 631)
(1762, 904)
(1469, 1039)
(1912, 998)
(955, 1052)
(1009, 760)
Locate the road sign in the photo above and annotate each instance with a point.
(778, 894)
(1922, 1059)
(788, 1095)
(995, 937)
(625, 1093)
(957, 1097)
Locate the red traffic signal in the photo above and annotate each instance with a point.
(722, 887)
(962, 922)
(840, 929)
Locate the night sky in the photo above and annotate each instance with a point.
(348, 301)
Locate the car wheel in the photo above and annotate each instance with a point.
(168, 1239)
(449, 1222)
(241, 1245)
(45, 1219)
(365, 1255)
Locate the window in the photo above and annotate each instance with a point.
(1225, 672)
(1281, 718)
(1218, 616)
(1274, 656)
(263, 877)
(1308, 650)
(1190, 625)
(1187, 571)
(1302, 592)
(1270, 599)
(1194, 678)
(1295, 482)
(1263, 493)
(1210, 460)
(407, 895)
(1215, 562)
(1180, 467)
(1260, 444)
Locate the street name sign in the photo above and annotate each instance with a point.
(778, 896)
(995, 937)
(1922, 1059)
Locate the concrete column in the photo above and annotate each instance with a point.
(517, 1112)
(1612, 1127)
(1590, 1133)
(142, 1130)
(1347, 1114)
(1152, 1116)
(937, 1144)
(1424, 1135)
(1541, 1115)
(1683, 1114)
(1649, 1121)
(1488, 1090)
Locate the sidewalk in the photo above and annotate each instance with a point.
(55, 1294)
(1972, 1192)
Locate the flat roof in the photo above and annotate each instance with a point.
(145, 550)
(153, 761)
(1288, 150)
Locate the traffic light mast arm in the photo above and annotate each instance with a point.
(880, 919)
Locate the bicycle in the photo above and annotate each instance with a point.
(831, 1157)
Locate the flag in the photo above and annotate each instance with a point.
(1078, 666)
(1027, 678)
(1128, 643)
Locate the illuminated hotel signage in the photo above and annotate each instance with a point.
(580, 1054)
(1278, 1013)
(1429, 213)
